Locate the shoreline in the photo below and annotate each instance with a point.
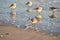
(2, 23)
(21, 34)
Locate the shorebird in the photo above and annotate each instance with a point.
(38, 17)
(12, 6)
(53, 9)
(53, 16)
(29, 3)
(38, 9)
(33, 20)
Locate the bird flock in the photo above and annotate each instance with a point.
(32, 20)
(39, 9)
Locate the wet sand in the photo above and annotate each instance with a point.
(10, 32)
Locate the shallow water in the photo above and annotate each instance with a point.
(21, 18)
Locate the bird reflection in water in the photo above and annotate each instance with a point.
(13, 16)
(38, 17)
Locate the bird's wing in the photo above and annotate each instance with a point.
(11, 5)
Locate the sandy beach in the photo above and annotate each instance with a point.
(10, 32)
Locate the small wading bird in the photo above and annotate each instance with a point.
(12, 6)
(53, 9)
(13, 16)
(33, 21)
(29, 3)
(53, 16)
(38, 9)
